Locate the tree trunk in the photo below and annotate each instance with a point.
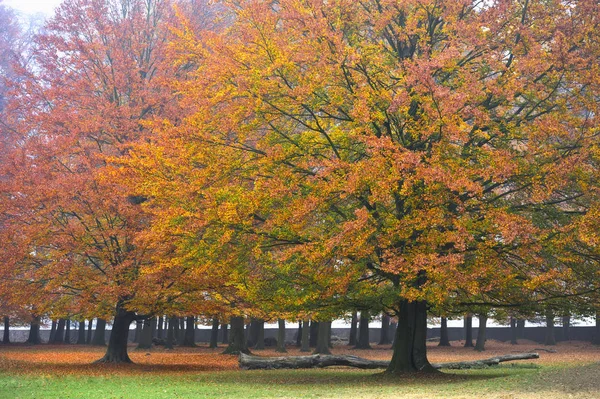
(180, 331)
(410, 350)
(249, 362)
(68, 331)
(176, 334)
(81, 333)
(596, 338)
(116, 352)
(159, 329)
(520, 328)
(314, 332)
(189, 338)
(60, 332)
(323, 338)
(214, 334)
(363, 331)
(6, 336)
(444, 340)
(52, 332)
(34, 331)
(139, 324)
(299, 334)
(99, 334)
(305, 336)
(171, 333)
(513, 331)
(253, 332)
(145, 338)
(281, 336)
(566, 326)
(88, 337)
(237, 340)
(550, 338)
(481, 333)
(224, 334)
(393, 327)
(384, 336)
(468, 331)
(353, 329)
(260, 339)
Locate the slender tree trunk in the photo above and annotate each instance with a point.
(520, 328)
(513, 331)
(260, 339)
(171, 332)
(214, 334)
(281, 336)
(99, 334)
(323, 338)
(139, 324)
(481, 333)
(550, 338)
(88, 338)
(444, 340)
(299, 334)
(6, 336)
(410, 349)
(224, 333)
(81, 333)
(159, 330)
(116, 352)
(52, 332)
(363, 331)
(305, 336)
(34, 331)
(468, 331)
(384, 337)
(145, 338)
(353, 329)
(566, 326)
(314, 332)
(237, 340)
(59, 335)
(68, 331)
(189, 338)
(596, 338)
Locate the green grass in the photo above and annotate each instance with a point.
(575, 380)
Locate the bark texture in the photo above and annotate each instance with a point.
(384, 336)
(305, 337)
(323, 338)
(116, 352)
(189, 338)
(550, 338)
(281, 336)
(81, 333)
(353, 329)
(99, 338)
(214, 334)
(481, 333)
(237, 341)
(444, 340)
(468, 331)
(363, 331)
(34, 332)
(6, 335)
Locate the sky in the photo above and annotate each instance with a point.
(33, 6)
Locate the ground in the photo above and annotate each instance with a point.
(66, 372)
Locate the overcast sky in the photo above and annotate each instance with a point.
(33, 6)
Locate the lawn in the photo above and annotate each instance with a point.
(65, 372)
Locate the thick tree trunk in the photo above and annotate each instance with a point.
(189, 338)
(513, 331)
(170, 341)
(34, 331)
(224, 334)
(214, 334)
(281, 336)
(550, 338)
(81, 333)
(566, 326)
(410, 349)
(363, 331)
(139, 325)
(116, 352)
(393, 327)
(68, 331)
(468, 331)
(145, 338)
(52, 332)
(260, 337)
(6, 335)
(520, 328)
(249, 362)
(323, 338)
(384, 336)
(353, 329)
(99, 334)
(59, 334)
(305, 336)
(237, 340)
(88, 338)
(444, 340)
(159, 329)
(299, 334)
(314, 332)
(481, 333)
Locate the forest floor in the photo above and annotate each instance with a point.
(66, 371)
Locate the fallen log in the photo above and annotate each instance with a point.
(251, 362)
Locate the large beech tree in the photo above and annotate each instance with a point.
(414, 143)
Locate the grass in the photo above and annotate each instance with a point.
(66, 372)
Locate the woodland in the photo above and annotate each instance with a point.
(168, 163)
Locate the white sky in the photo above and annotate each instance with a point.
(33, 6)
